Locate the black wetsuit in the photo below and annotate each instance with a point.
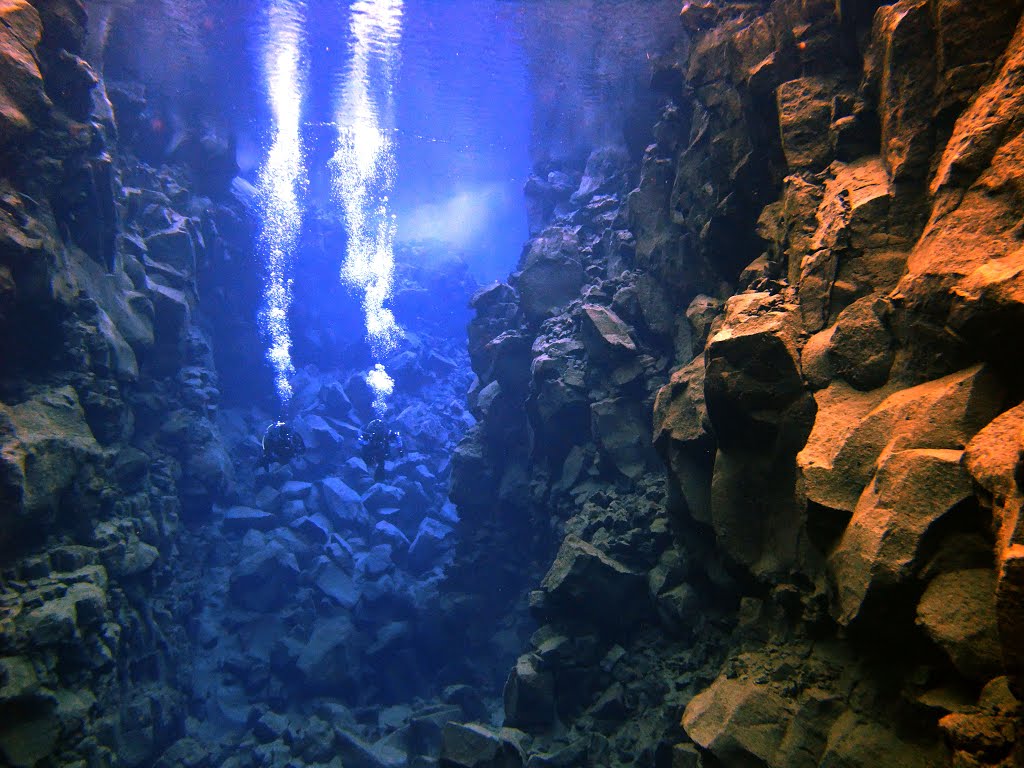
(378, 441)
(281, 444)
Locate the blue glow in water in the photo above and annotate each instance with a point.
(363, 172)
(281, 182)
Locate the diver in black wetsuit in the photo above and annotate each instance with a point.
(378, 441)
(281, 444)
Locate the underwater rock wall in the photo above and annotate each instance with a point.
(814, 287)
(109, 397)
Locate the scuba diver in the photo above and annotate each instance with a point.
(281, 444)
(377, 441)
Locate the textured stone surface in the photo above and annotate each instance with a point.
(22, 97)
(958, 611)
(912, 491)
(737, 721)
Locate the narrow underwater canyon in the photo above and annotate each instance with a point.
(728, 472)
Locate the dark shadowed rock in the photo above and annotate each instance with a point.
(265, 580)
(551, 274)
(45, 441)
(430, 543)
(605, 335)
(529, 695)
(958, 611)
(470, 745)
(753, 388)
(622, 432)
(861, 346)
(583, 581)
(903, 45)
(805, 115)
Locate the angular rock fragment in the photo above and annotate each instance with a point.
(343, 505)
(852, 431)
(22, 98)
(551, 274)
(805, 115)
(265, 580)
(621, 431)
(471, 745)
(861, 347)
(958, 611)
(995, 458)
(902, 58)
(853, 740)
(753, 389)
(529, 695)
(882, 546)
(605, 334)
(738, 721)
(583, 582)
(43, 443)
(429, 544)
(326, 659)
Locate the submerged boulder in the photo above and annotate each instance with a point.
(738, 721)
(958, 611)
(583, 581)
(883, 544)
(605, 334)
(471, 745)
(265, 580)
(43, 444)
(552, 274)
(22, 98)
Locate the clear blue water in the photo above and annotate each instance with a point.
(484, 90)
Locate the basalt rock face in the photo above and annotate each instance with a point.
(559, 488)
(108, 394)
(809, 306)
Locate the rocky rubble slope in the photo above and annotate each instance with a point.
(809, 297)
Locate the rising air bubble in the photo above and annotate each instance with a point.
(281, 182)
(363, 169)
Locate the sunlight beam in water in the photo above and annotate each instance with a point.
(282, 180)
(363, 173)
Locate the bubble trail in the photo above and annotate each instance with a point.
(363, 172)
(282, 180)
